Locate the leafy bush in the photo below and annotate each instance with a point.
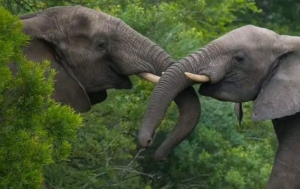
(34, 130)
(219, 154)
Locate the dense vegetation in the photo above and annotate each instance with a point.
(219, 154)
(34, 130)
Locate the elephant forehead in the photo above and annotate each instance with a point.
(93, 16)
(255, 31)
(251, 34)
(82, 21)
(248, 40)
(88, 26)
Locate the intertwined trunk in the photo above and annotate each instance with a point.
(173, 83)
(148, 57)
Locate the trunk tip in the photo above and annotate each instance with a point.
(146, 138)
(145, 141)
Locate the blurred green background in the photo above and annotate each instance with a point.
(219, 153)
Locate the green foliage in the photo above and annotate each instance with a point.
(179, 26)
(24, 6)
(34, 130)
(219, 154)
(278, 15)
(104, 154)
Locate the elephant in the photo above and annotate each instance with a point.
(249, 63)
(91, 52)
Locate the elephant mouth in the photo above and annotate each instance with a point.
(207, 89)
(228, 92)
(98, 94)
(120, 81)
(97, 97)
(123, 83)
(217, 91)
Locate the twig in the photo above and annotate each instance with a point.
(137, 154)
(98, 175)
(127, 169)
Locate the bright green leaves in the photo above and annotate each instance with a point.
(103, 154)
(24, 6)
(219, 153)
(11, 38)
(278, 15)
(180, 27)
(34, 130)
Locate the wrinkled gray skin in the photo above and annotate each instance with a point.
(248, 64)
(91, 52)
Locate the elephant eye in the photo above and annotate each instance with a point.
(101, 44)
(239, 58)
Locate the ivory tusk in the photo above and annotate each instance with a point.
(149, 77)
(197, 78)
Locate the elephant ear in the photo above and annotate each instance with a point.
(280, 93)
(68, 90)
(43, 45)
(71, 89)
(43, 25)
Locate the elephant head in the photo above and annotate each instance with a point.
(92, 52)
(248, 63)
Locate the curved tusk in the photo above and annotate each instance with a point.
(197, 78)
(149, 77)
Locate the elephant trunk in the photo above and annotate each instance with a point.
(160, 61)
(138, 53)
(186, 100)
(159, 58)
(189, 114)
(172, 83)
(147, 57)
